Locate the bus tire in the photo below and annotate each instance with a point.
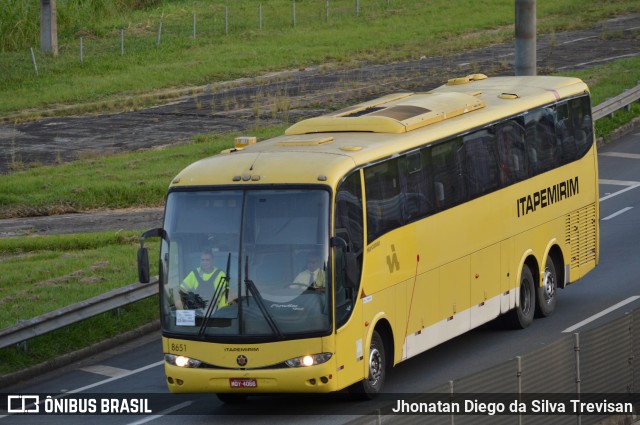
(547, 294)
(522, 316)
(371, 386)
(229, 398)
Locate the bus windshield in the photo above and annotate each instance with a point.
(248, 263)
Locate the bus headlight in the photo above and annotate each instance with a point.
(308, 360)
(181, 361)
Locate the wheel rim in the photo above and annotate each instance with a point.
(375, 366)
(548, 286)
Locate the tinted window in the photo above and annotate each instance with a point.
(417, 192)
(384, 207)
(542, 144)
(348, 220)
(446, 160)
(480, 163)
(509, 139)
(581, 124)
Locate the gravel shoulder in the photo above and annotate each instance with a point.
(87, 222)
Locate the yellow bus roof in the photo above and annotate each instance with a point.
(324, 148)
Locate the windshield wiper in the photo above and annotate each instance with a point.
(251, 287)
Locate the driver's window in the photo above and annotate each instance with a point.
(348, 261)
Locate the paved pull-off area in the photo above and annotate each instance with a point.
(231, 107)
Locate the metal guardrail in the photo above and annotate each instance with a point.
(77, 312)
(624, 100)
(135, 292)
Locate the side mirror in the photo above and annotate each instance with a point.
(143, 265)
(143, 254)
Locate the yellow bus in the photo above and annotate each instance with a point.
(361, 238)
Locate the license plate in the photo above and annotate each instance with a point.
(243, 383)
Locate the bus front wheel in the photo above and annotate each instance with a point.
(546, 296)
(371, 386)
(522, 315)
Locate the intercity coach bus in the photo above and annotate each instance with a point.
(426, 215)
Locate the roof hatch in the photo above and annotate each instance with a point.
(396, 113)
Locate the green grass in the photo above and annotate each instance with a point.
(41, 274)
(419, 29)
(50, 346)
(44, 273)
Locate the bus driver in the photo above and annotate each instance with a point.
(206, 279)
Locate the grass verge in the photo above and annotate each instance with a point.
(44, 273)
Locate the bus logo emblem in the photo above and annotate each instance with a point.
(242, 360)
(392, 261)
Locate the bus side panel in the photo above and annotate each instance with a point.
(485, 285)
(423, 310)
(349, 349)
(455, 296)
(507, 276)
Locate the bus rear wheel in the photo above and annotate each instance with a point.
(370, 387)
(546, 295)
(522, 315)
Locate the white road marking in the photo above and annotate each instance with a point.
(621, 155)
(622, 211)
(106, 381)
(619, 182)
(105, 370)
(620, 192)
(163, 413)
(602, 313)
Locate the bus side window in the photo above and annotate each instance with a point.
(415, 185)
(542, 145)
(384, 209)
(480, 163)
(582, 123)
(446, 159)
(574, 128)
(509, 138)
(565, 134)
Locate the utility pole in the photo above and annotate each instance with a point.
(48, 27)
(525, 37)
